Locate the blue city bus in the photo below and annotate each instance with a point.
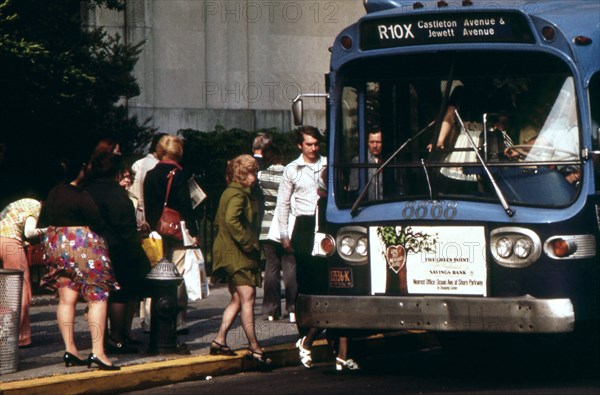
(483, 212)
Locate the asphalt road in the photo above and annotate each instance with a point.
(507, 367)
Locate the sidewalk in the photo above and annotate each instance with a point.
(41, 369)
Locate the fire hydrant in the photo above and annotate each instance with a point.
(163, 280)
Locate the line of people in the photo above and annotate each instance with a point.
(91, 226)
(91, 237)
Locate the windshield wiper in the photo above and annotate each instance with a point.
(509, 211)
(427, 178)
(365, 190)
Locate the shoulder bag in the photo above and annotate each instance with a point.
(169, 223)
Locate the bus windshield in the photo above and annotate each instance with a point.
(468, 122)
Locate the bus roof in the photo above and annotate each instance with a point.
(568, 14)
(572, 18)
(542, 6)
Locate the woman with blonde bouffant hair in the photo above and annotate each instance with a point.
(170, 147)
(170, 150)
(236, 255)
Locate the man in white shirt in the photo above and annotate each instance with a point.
(301, 180)
(140, 168)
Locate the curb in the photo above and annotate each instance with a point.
(155, 374)
(180, 369)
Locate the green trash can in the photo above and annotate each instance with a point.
(11, 288)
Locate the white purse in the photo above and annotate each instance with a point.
(273, 234)
(319, 236)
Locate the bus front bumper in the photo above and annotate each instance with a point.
(523, 314)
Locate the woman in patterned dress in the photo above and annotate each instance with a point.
(78, 264)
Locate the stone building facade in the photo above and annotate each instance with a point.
(235, 63)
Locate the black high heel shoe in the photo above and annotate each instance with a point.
(258, 356)
(72, 360)
(93, 359)
(221, 349)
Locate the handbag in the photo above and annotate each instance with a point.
(36, 255)
(319, 236)
(169, 223)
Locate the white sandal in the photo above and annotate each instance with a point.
(305, 354)
(347, 364)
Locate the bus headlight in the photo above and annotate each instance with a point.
(504, 247)
(352, 244)
(362, 246)
(522, 248)
(347, 246)
(515, 246)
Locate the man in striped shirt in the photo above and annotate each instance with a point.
(278, 260)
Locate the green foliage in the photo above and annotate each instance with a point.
(413, 241)
(206, 153)
(63, 88)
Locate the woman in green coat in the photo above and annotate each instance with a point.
(236, 254)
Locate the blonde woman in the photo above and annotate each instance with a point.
(170, 150)
(236, 255)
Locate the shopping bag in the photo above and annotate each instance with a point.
(274, 234)
(191, 273)
(153, 247)
(194, 270)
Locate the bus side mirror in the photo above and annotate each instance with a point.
(298, 111)
(298, 108)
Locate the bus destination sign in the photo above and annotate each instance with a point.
(482, 27)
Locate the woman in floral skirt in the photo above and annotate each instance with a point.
(78, 264)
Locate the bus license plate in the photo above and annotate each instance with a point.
(340, 278)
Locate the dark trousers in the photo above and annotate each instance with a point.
(278, 261)
(311, 272)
